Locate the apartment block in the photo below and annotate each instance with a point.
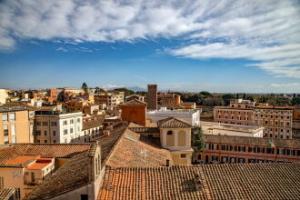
(16, 125)
(236, 149)
(168, 100)
(277, 121)
(53, 127)
(109, 99)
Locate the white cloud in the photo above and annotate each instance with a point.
(265, 31)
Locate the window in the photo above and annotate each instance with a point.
(78, 119)
(65, 122)
(71, 130)
(182, 155)
(32, 177)
(65, 131)
(54, 133)
(54, 141)
(12, 116)
(53, 124)
(170, 133)
(4, 117)
(45, 123)
(71, 121)
(45, 133)
(37, 132)
(37, 123)
(84, 197)
(45, 141)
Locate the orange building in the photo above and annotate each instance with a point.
(16, 125)
(53, 92)
(134, 111)
(168, 100)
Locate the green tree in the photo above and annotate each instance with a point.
(197, 138)
(84, 87)
(296, 101)
(226, 98)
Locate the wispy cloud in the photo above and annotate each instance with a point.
(267, 32)
(62, 49)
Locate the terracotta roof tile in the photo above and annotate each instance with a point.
(43, 150)
(132, 152)
(227, 181)
(72, 175)
(107, 143)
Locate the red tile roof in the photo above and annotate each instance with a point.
(43, 150)
(226, 181)
(130, 151)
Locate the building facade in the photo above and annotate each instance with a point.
(109, 99)
(168, 100)
(277, 121)
(52, 127)
(175, 135)
(236, 149)
(3, 96)
(134, 111)
(16, 125)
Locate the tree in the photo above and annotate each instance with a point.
(296, 101)
(126, 91)
(226, 98)
(197, 138)
(61, 96)
(84, 87)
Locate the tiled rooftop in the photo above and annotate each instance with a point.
(72, 175)
(39, 164)
(107, 143)
(19, 161)
(44, 150)
(132, 152)
(6, 193)
(92, 123)
(172, 122)
(226, 181)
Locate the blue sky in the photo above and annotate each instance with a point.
(229, 46)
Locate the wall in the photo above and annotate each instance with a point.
(13, 177)
(164, 135)
(19, 127)
(134, 113)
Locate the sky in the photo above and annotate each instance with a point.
(184, 45)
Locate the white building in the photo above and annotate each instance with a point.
(187, 115)
(3, 96)
(53, 127)
(213, 128)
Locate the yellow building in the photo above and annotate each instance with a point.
(16, 125)
(175, 135)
